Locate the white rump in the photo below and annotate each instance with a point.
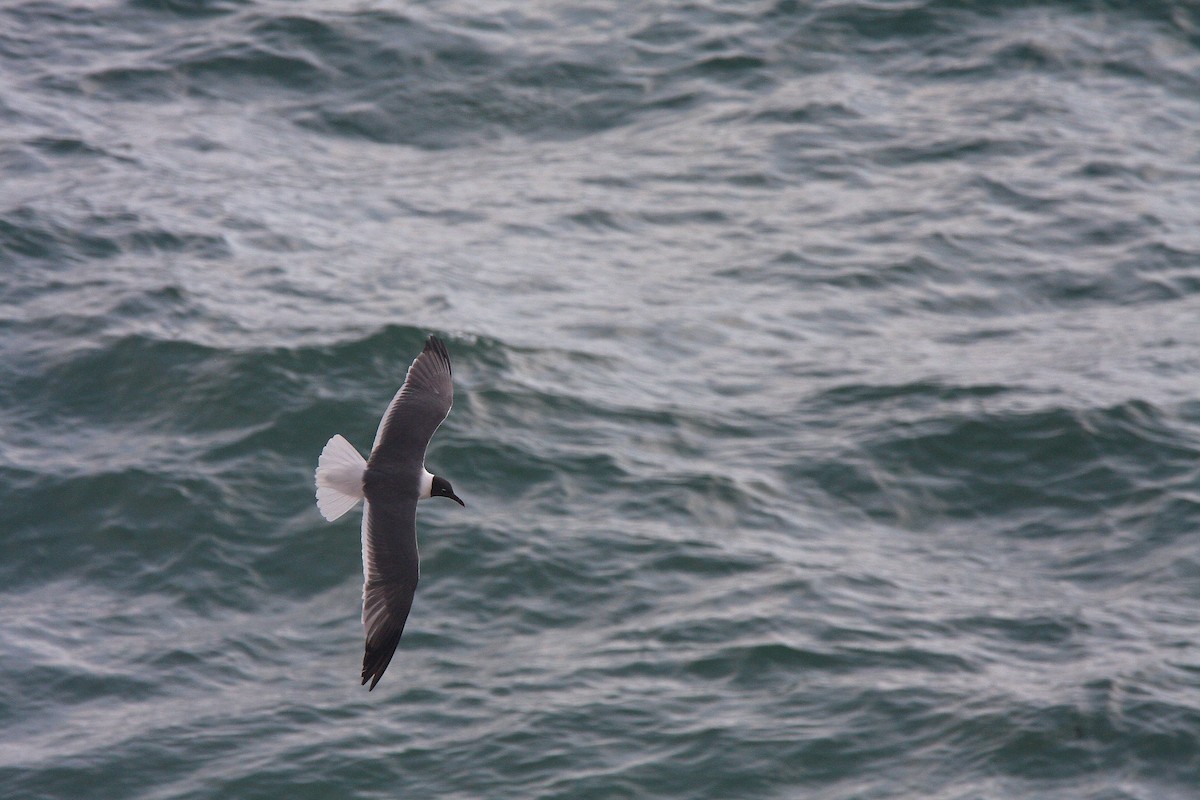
(339, 478)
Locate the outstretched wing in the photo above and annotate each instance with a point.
(417, 409)
(391, 565)
(391, 568)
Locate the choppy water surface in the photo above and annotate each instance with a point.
(827, 400)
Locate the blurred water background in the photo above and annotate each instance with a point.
(828, 396)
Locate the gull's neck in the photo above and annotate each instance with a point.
(426, 485)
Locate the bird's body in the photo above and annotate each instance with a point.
(390, 483)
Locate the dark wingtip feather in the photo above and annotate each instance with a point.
(438, 347)
(378, 655)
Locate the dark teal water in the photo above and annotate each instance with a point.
(827, 414)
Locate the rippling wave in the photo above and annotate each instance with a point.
(826, 409)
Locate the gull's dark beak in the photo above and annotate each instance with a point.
(457, 499)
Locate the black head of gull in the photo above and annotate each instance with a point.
(441, 488)
(390, 483)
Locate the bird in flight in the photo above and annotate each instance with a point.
(390, 483)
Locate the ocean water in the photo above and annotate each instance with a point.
(827, 397)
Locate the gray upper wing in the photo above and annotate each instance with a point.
(391, 569)
(417, 409)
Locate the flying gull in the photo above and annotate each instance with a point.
(390, 483)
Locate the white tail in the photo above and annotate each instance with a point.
(339, 478)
